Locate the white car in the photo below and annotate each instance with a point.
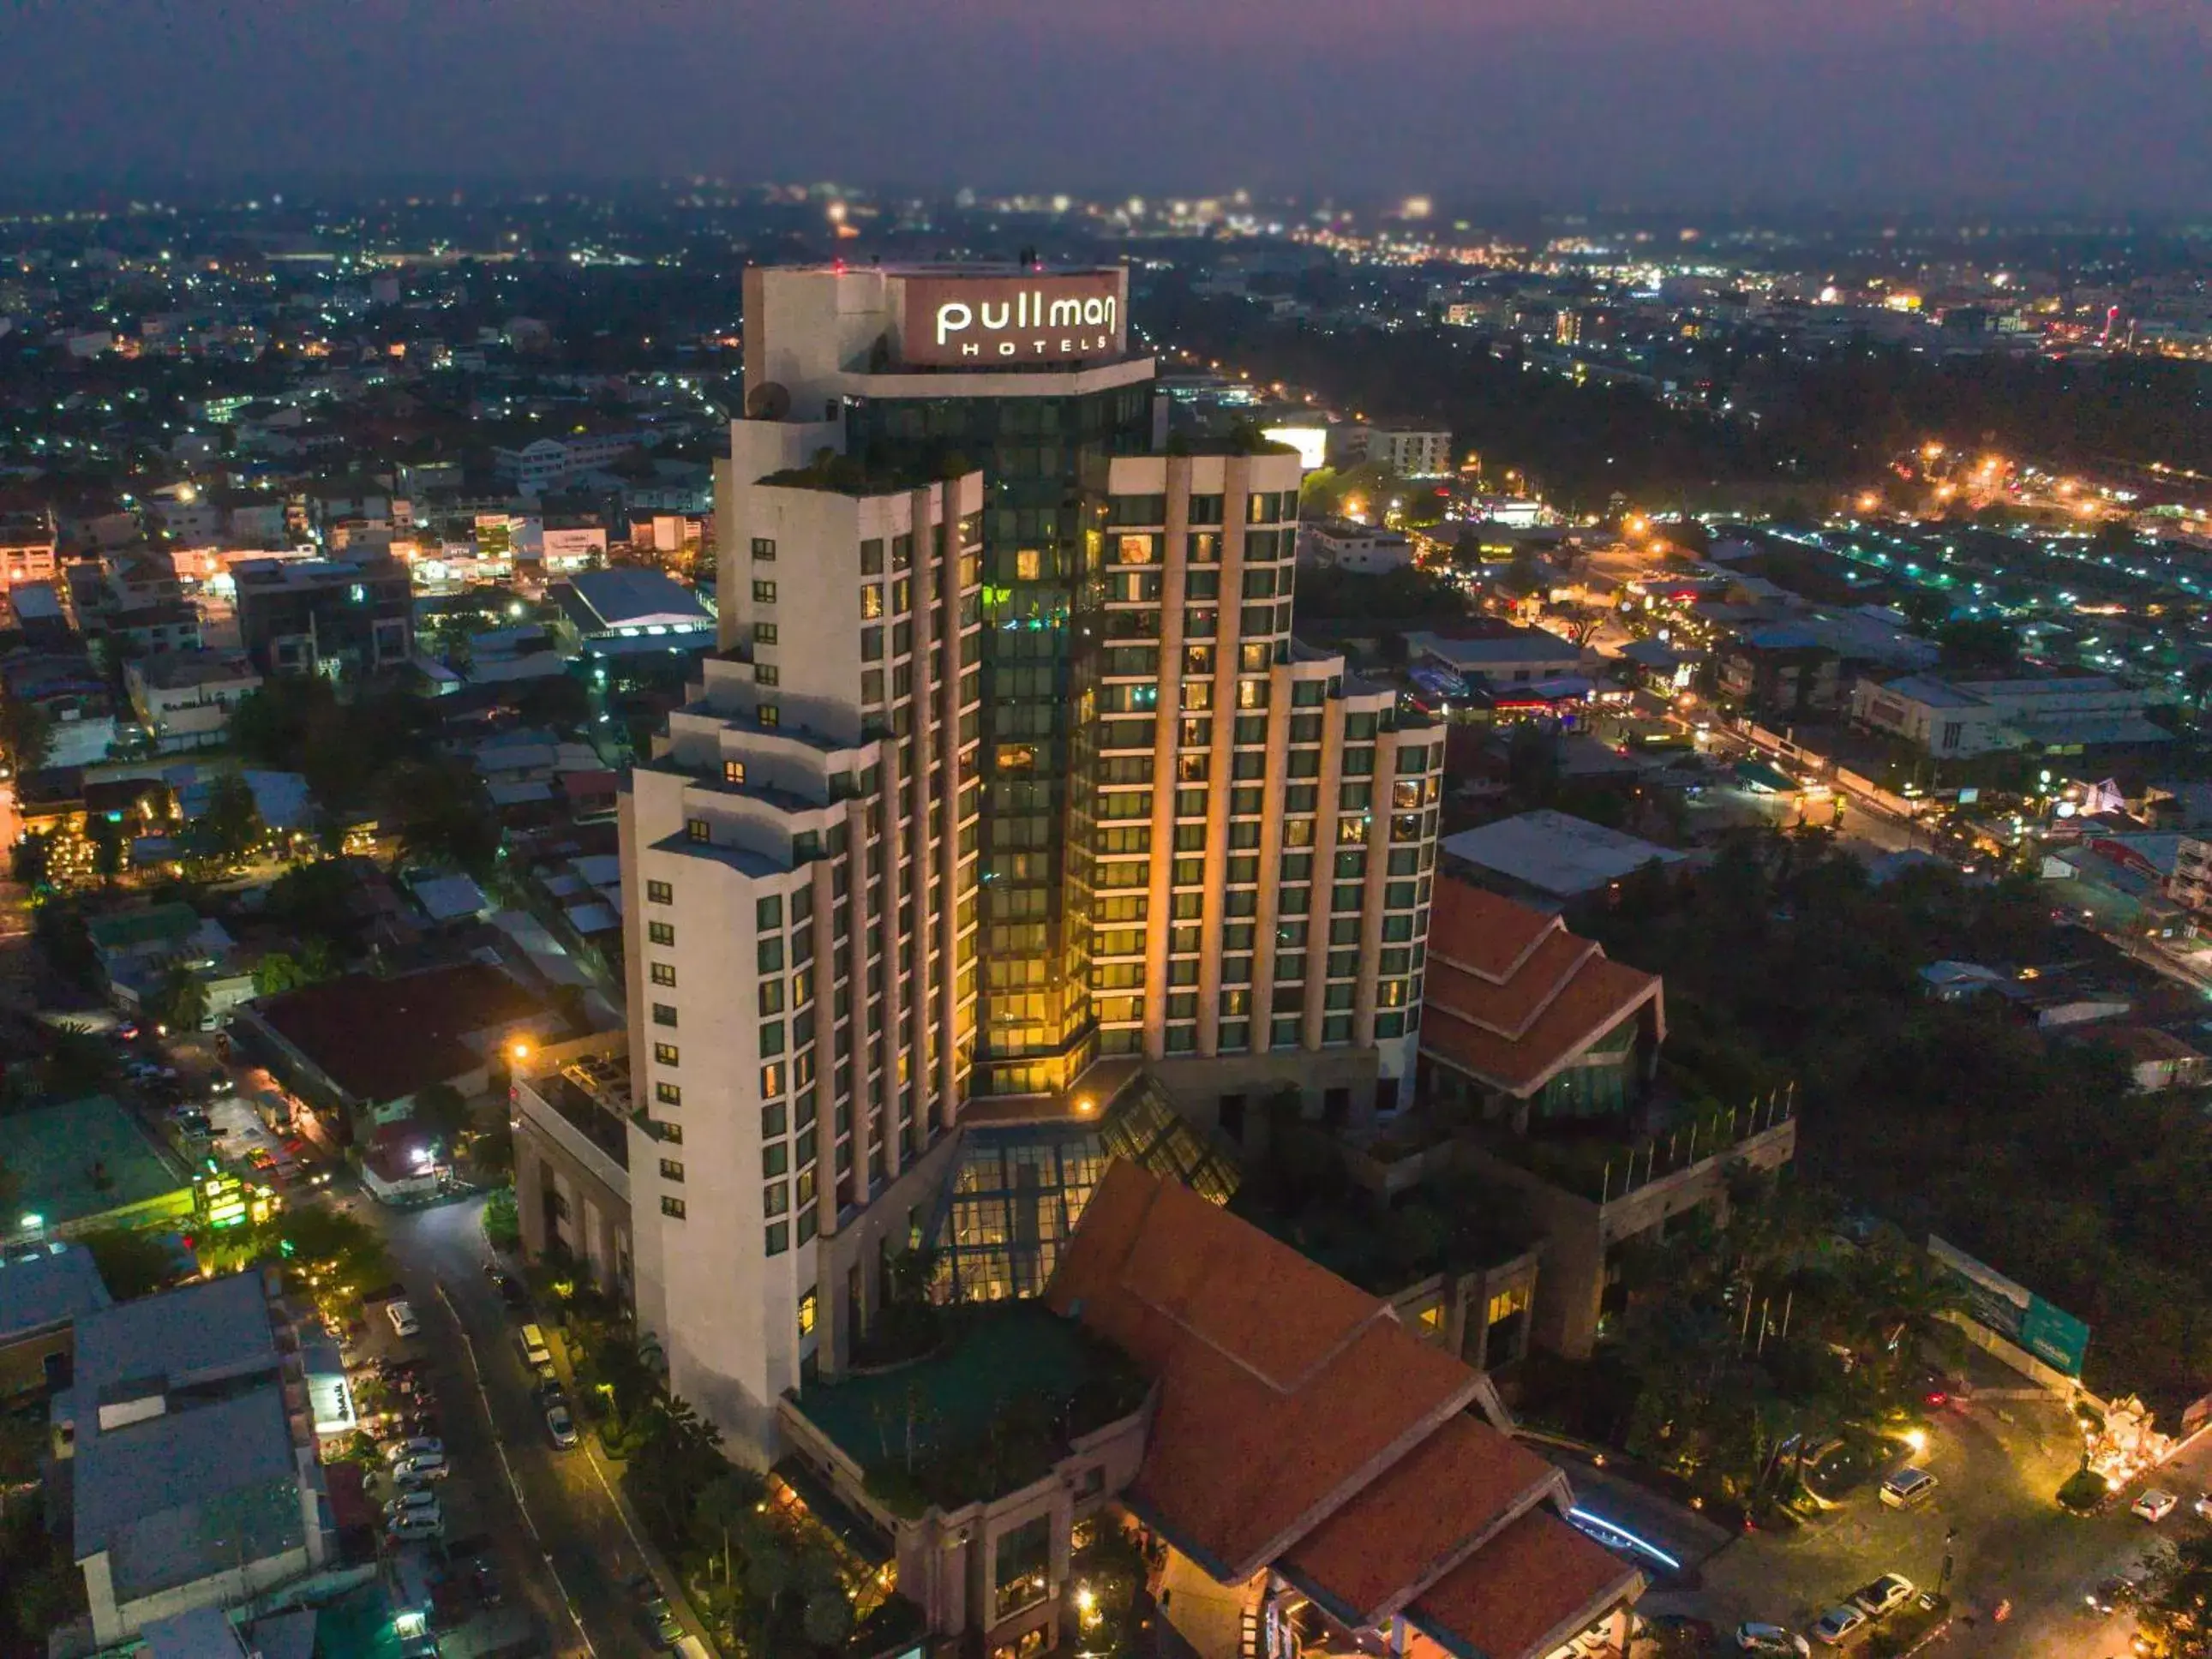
(2154, 1506)
(1772, 1639)
(415, 1448)
(1885, 1595)
(561, 1426)
(410, 1527)
(2202, 1507)
(1835, 1626)
(416, 1501)
(404, 1322)
(423, 1465)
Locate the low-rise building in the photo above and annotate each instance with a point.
(191, 1453)
(46, 1287)
(185, 698)
(1950, 717)
(309, 616)
(83, 1166)
(1364, 549)
(572, 1114)
(1498, 654)
(1549, 859)
(359, 1048)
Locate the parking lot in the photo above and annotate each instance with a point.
(1998, 1464)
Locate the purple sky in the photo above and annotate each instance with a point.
(2055, 103)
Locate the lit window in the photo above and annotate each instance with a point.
(660, 932)
(733, 771)
(668, 1094)
(806, 1311)
(698, 829)
(659, 892)
(664, 973)
(670, 1169)
(763, 593)
(663, 1053)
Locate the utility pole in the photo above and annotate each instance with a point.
(1944, 1579)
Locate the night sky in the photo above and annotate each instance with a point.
(2052, 103)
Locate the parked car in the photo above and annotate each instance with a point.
(561, 1426)
(1908, 1488)
(1834, 1627)
(511, 1290)
(427, 1466)
(1755, 1638)
(2153, 1505)
(402, 1316)
(1885, 1595)
(2110, 1594)
(421, 1445)
(413, 1501)
(485, 1578)
(2202, 1507)
(416, 1528)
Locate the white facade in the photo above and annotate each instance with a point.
(1411, 452)
(1366, 549)
(1958, 718)
(798, 886)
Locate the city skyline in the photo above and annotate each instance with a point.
(2037, 104)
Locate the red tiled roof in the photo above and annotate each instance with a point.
(1510, 996)
(383, 1039)
(1394, 1538)
(1527, 1591)
(1299, 1425)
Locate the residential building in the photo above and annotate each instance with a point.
(1008, 824)
(28, 547)
(46, 1285)
(2190, 884)
(190, 1437)
(1363, 549)
(546, 464)
(1411, 452)
(317, 615)
(1953, 717)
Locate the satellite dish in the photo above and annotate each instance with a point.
(768, 401)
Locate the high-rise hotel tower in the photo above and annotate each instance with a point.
(1007, 787)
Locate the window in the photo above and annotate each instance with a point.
(659, 892)
(763, 593)
(670, 1169)
(663, 1053)
(698, 829)
(664, 973)
(779, 1238)
(771, 1078)
(806, 1312)
(660, 932)
(664, 1013)
(872, 601)
(672, 1207)
(733, 771)
(667, 1094)
(764, 550)
(871, 556)
(768, 913)
(768, 955)
(763, 633)
(770, 716)
(662, 1129)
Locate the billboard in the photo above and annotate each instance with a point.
(1311, 442)
(972, 321)
(2014, 1312)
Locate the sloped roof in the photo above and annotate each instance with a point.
(1300, 1425)
(383, 1039)
(1531, 1589)
(1511, 997)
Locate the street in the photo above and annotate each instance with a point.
(557, 1532)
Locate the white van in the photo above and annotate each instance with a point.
(533, 1346)
(1907, 1488)
(404, 1322)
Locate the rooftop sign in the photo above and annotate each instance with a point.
(972, 321)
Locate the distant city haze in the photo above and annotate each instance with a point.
(2016, 104)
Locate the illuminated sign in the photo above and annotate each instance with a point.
(973, 320)
(1311, 442)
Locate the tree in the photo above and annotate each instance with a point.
(2176, 1616)
(66, 943)
(281, 971)
(131, 1263)
(1971, 642)
(723, 1508)
(231, 826)
(31, 859)
(555, 700)
(443, 1112)
(110, 846)
(180, 1002)
(444, 816)
(26, 735)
